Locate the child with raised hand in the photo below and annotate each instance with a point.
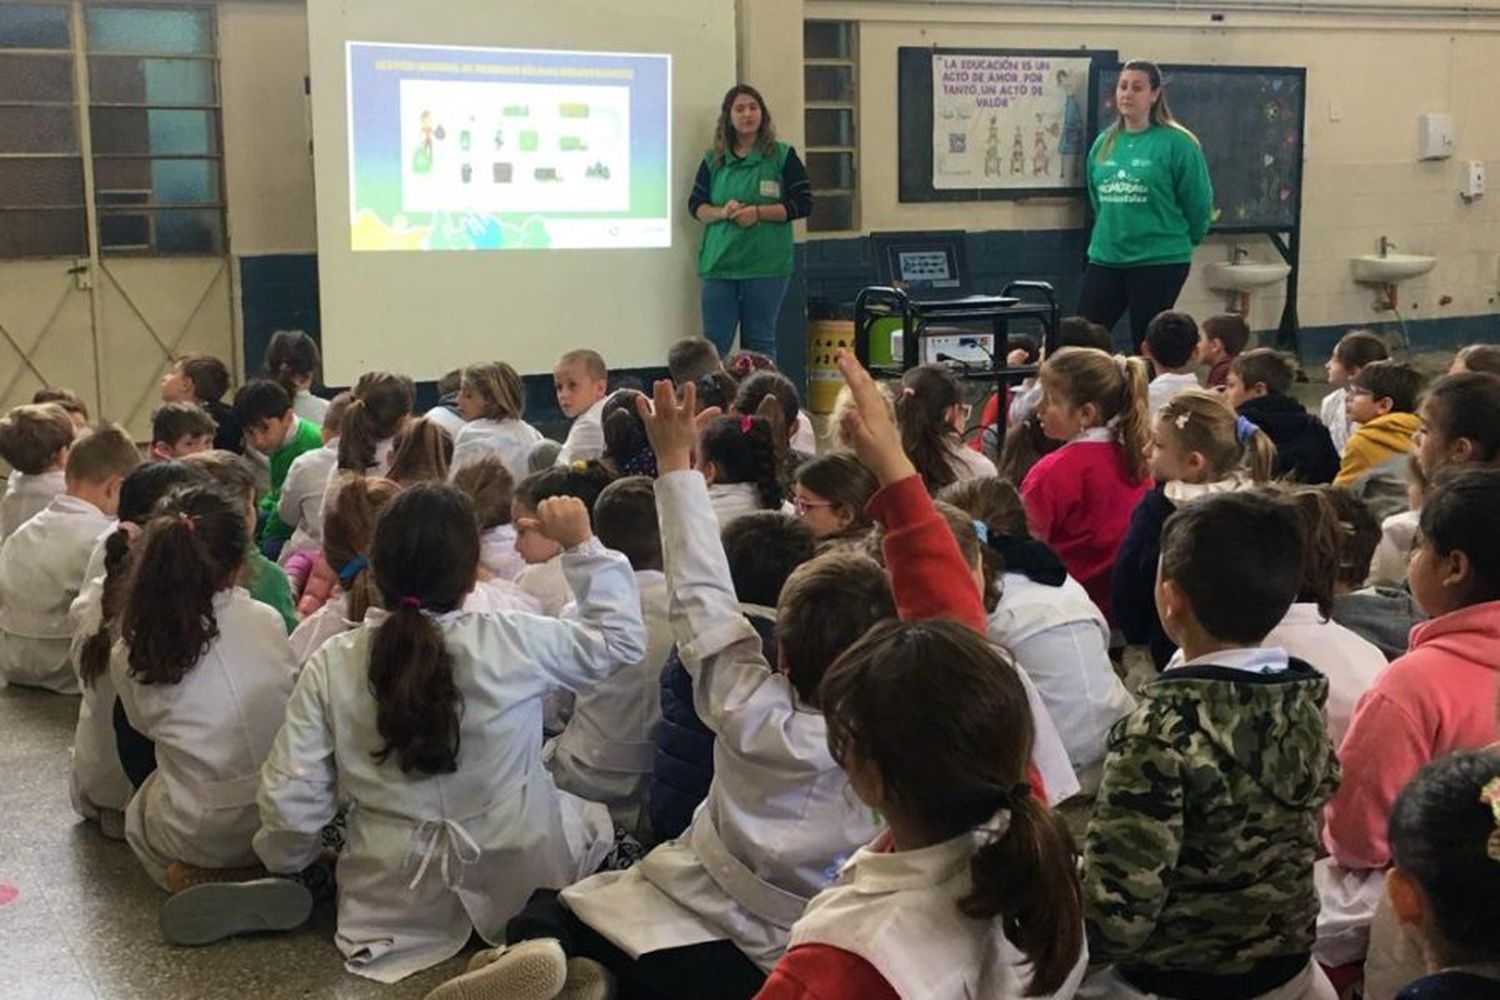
(491, 490)
(178, 430)
(1438, 698)
(971, 889)
(930, 413)
(1384, 615)
(543, 577)
(1197, 873)
(626, 450)
(204, 379)
(1258, 388)
(493, 401)
(44, 564)
(582, 383)
(709, 913)
(830, 495)
(605, 752)
(294, 362)
(1382, 400)
(34, 439)
(1354, 350)
(273, 429)
(1079, 498)
(203, 671)
(1046, 621)
(428, 720)
(420, 453)
(1445, 887)
(740, 460)
(98, 786)
(1198, 446)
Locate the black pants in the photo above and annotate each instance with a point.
(1145, 290)
(716, 969)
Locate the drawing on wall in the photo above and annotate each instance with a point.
(1007, 121)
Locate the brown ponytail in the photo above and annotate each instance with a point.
(1116, 387)
(424, 556)
(192, 549)
(379, 403)
(347, 531)
(940, 686)
(1321, 533)
(927, 392)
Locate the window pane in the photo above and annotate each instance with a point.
(830, 127)
(125, 232)
(42, 234)
(154, 130)
(164, 182)
(146, 30)
(131, 80)
(163, 230)
(33, 26)
(831, 212)
(38, 130)
(24, 183)
(25, 78)
(826, 40)
(829, 83)
(830, 170)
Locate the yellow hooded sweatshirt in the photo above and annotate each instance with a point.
(1375, 442)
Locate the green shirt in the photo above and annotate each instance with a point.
(730, 251)
(267, 583)
(1151, 195)
(306, 437)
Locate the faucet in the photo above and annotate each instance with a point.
(1386, 245)
(1240, 254)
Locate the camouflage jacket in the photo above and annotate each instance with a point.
(1199, 856)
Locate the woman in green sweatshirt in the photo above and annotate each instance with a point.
(1152, 202)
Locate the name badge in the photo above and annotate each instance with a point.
(770, 189)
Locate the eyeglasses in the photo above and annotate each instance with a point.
(802, 506)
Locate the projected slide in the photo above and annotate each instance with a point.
(500, 149)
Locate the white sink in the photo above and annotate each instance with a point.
(1225, 277)
(1374, 269)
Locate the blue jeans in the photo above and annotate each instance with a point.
(752, 304)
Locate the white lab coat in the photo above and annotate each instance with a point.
(1349, 661)
(732, 500)
(309, 407)
(779, 816)
(431, 858)
(971, 464)
(607, 752)
(1166, 386)
(1335, 417)
(1060, 640)
(212, 730)
(899, 912)
(96, 781)
(446, 418)
(585, 438)
(42, 569)
(301, 501)
(804, 438)
(1398, 535)
(497, 552)
(511, 439)
(546, 583)
(25, 495)
(383, 449)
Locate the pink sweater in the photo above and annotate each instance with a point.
(1078, 500)
(1438, 698)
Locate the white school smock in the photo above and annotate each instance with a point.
(511, 439)
(585, 438)
(212, 731)
(732, 500)
(42, 569)
(96, 780)
(309, 407)
(382, 465)
(1398, 536)
(301, 501)
(497, 552)
(804, 438)
(779, 816)
(447, 418)
(899, 912)
(432, 858)
(26, 495)
(1335, 417)
(1060, 640)
(546, 583)
(607, 751)
(1162, 389)
(1349, 661)
(970, 463)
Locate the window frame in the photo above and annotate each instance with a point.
(851, 62)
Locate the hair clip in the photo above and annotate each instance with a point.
(907, 390)
(578, 464)
(1182, 419)
(1490, 796)
(187, 519)
(745, 424)
(982, 530)
(411, 602)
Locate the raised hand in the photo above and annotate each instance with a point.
(869, 427)
(565, 520)
(670, 424)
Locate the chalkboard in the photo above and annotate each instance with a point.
(1250, 121)
(1010, 123)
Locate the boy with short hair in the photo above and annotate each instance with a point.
(1171, 344)
(273, 428)
(178, 430)
(1354, 350)
(1258, 388)
(1198, 865)
(1382, 400)
(691, 358)
(1225, 337)
(204, 379)
(582, 383)
(69, 400)
(34, 439)
(43, 565)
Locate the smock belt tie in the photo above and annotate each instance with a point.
(442, 839)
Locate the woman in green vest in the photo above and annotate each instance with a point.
(1152, 201)
(748, 190)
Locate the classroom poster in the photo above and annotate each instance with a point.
(1008, 121)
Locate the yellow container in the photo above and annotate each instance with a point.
(824, 338)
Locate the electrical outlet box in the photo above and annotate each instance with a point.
(1435, 136)
(1473, 180)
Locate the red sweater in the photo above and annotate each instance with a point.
(1078, 500)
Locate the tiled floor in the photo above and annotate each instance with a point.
(78, 915)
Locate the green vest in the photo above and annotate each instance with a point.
(730, 251)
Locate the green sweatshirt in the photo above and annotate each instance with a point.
(1151, 195)
(304, 438)
(267, 583)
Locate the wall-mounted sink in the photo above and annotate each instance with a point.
(1373, 269)
(1225, 277)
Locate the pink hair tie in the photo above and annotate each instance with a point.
(745, 425)
(907, 390)
(187, 519)
(412, 602)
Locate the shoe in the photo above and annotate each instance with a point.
(112, 824)
(587, 980)
(212, 911)
(181, 875)
(530, 970)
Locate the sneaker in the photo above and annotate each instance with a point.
(531, 970)
(181, 875)
(212, 911)
(587, 980)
